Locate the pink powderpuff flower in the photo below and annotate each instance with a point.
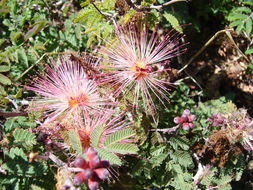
(65, 89)
(137, 59)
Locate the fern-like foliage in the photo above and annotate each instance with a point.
(241, 18)
(113, 143)
(24, 137)
(173, 21)
(96, 135)
(119, 136)
(107, 155)
(75, 141)
(96, 26)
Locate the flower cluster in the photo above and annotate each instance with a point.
(186, 120)
(217, 120)
(74, 99)
(238, 126)
(94, 170)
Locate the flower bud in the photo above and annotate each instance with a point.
(102, 173)
(93, 184)
(91, 153)
(94, 162)
(79, 179)
(178, 120)
(191, 125)
(191, 118)
(104, 164)
(80, 163)
(186, 126)
(186, 113)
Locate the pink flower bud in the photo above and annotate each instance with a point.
(79, 179)
(94, 162)
(102, 173)
(93, 184)
(91, 153)
(104, 164)
(191, 118)
(177, 120)
(81, 163)
(191, 125)
(186, 113)
(186, 126)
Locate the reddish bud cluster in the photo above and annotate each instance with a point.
(94, 170)
(217, 120)
(186, 120)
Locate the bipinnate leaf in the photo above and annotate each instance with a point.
(22, 57)
(75, 141)
(96, 135)
(106, 155)
(38, 26)
(4, 80)
(2, 91)
(122, 148)
(4, 68)
(173, 21)
(24, 137)
(119, 136)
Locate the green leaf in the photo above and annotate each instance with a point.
(10, 124)
(4, 68)
(119, 136)
(239, 27)
(75, 141)
(17, 164)
(237, 16)
(15, 36)
(22, 57)
(249, 51)
(96, 135)
(235, 23)
(223, 180)
(36, 29)
(243, 9)
(106, 155)
(2, 91)
(173, 21)
(182, 142)
(24, 137)
(122, 148)
(17, 152)
(248, 26)
(78, 32)
(182, 157)
(4, 80)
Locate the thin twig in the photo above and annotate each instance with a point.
(167, 130)
(56, 160)
(13, 114)
(208, 43)
(103, 14)
(39, 60)
(159, 7)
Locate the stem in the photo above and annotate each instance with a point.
(12, 114)
(159, 7)
(56, 160)
(208, 43)
(167, 130)
(27, 70)
(103, 14)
